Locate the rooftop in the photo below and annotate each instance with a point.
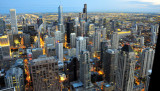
(77, 84)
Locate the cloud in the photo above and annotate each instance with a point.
(150, 2)
(144, 3)
(154, 2)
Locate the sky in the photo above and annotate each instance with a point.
(43, 6)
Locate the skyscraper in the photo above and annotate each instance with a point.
(104, 33)
(69, 29)
(85, 12)
(15, 78)
(82, 27)
(59, 51)
(115, 40)
(13, 21)
(85, 71)
(125, 71)
(1, 53)
(146, 59)
(154, 28)
(73, 40)
(110, 60)
(60, 15)
(58, 36)
(44, 72)
(5, 45)
(97, 40)
(80, 45)
(147, 81)
(49, 31)
(50, 50)
(39, 21)
(113, 25)
(71, 69)
(80, 17)
(142, 41)
(61, 26)
(2, 26)
(104, 46)
(153, 38)
(76, 20)
(26, 38)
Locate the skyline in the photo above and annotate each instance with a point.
(49, 6)
(77, 51)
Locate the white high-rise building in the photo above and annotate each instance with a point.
(61, 26)
(154, 29)
(115, 40)
(80, 45)
(76, 20)
(146, 59)
(73, 40)
(60, 15)
(142, 41)
(59, 51)
(13, 19)
(153, 38)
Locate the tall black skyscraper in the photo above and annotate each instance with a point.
(85, 12)
(110, 60)
(69, 29)
(71, 69)
(39, 21)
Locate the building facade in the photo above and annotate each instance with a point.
(125, 71)
(44, 73)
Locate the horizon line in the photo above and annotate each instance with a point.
(88, 12)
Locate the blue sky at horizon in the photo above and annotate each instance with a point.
(42, 6)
